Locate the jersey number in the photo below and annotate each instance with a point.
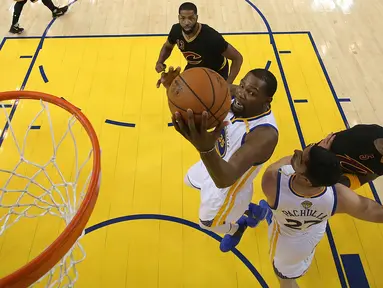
(297, 225)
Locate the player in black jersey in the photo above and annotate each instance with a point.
(360, 152)
(201, 45)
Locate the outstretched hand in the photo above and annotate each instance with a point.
(202, 139)
(327, 142)
(168, 77)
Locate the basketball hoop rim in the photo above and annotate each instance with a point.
(35, 269)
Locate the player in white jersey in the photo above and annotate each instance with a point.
(303, 194)
(232, 154)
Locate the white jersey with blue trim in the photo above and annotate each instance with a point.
(233, 135)
(298, 214)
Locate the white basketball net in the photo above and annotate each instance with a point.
(32, 186)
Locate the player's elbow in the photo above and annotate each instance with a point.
(167, 46)
(238, 58)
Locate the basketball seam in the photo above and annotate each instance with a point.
(199, 99)
(223, 102)
(212, 87)
(196, 113)
(226, 111)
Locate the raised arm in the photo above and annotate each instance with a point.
(236, 62)
(165, 53)
(166, 49)
(270, 179)
(357, 206)
(258, 148)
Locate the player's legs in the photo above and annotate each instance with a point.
(221, 208)
(56, 11)
(15, 28)
(292, 255)
(288, 283)
(212, 199)
(196, 175)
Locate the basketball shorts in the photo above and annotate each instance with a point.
(218, 206)
(292, 255)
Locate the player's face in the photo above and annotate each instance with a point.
(188, 20)
(249, 95)
(299, 159)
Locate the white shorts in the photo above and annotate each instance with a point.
(292, 255)
(219, 206)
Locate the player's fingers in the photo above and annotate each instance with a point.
(328, 137)
(183, 129)
(204, 122)
(175, 124)
(191, 122)
(159, 83)
(177, 71)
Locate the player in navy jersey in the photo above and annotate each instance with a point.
(201, 45)
(360, 152)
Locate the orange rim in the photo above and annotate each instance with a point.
(35, 269)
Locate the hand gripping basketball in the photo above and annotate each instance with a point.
(203, 140)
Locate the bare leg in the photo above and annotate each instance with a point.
(288, 283)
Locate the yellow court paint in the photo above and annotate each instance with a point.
(143, 166)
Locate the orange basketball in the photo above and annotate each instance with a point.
(200, 89)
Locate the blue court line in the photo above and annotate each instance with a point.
(26, 56)
(12, 113)
(118, 123)
(3, 42)
(354, 270)
(343, 115)
(193, 225)
(7, 105)
(42, 73)
(268, 64)
(26, 78)
(300, 134)
(284, 52)
(301, 101)
(35, 127)
(147, 35)
(328, 81)
(344, 99)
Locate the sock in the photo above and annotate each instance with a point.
(17, 11)
(49, 4)
(227, 228)
(233, 228)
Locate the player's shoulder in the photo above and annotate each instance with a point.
(176, 28)
(206, 29)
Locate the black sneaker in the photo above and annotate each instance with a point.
(15, 29)
(59, 11)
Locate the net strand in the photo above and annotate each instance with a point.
(58, 196)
